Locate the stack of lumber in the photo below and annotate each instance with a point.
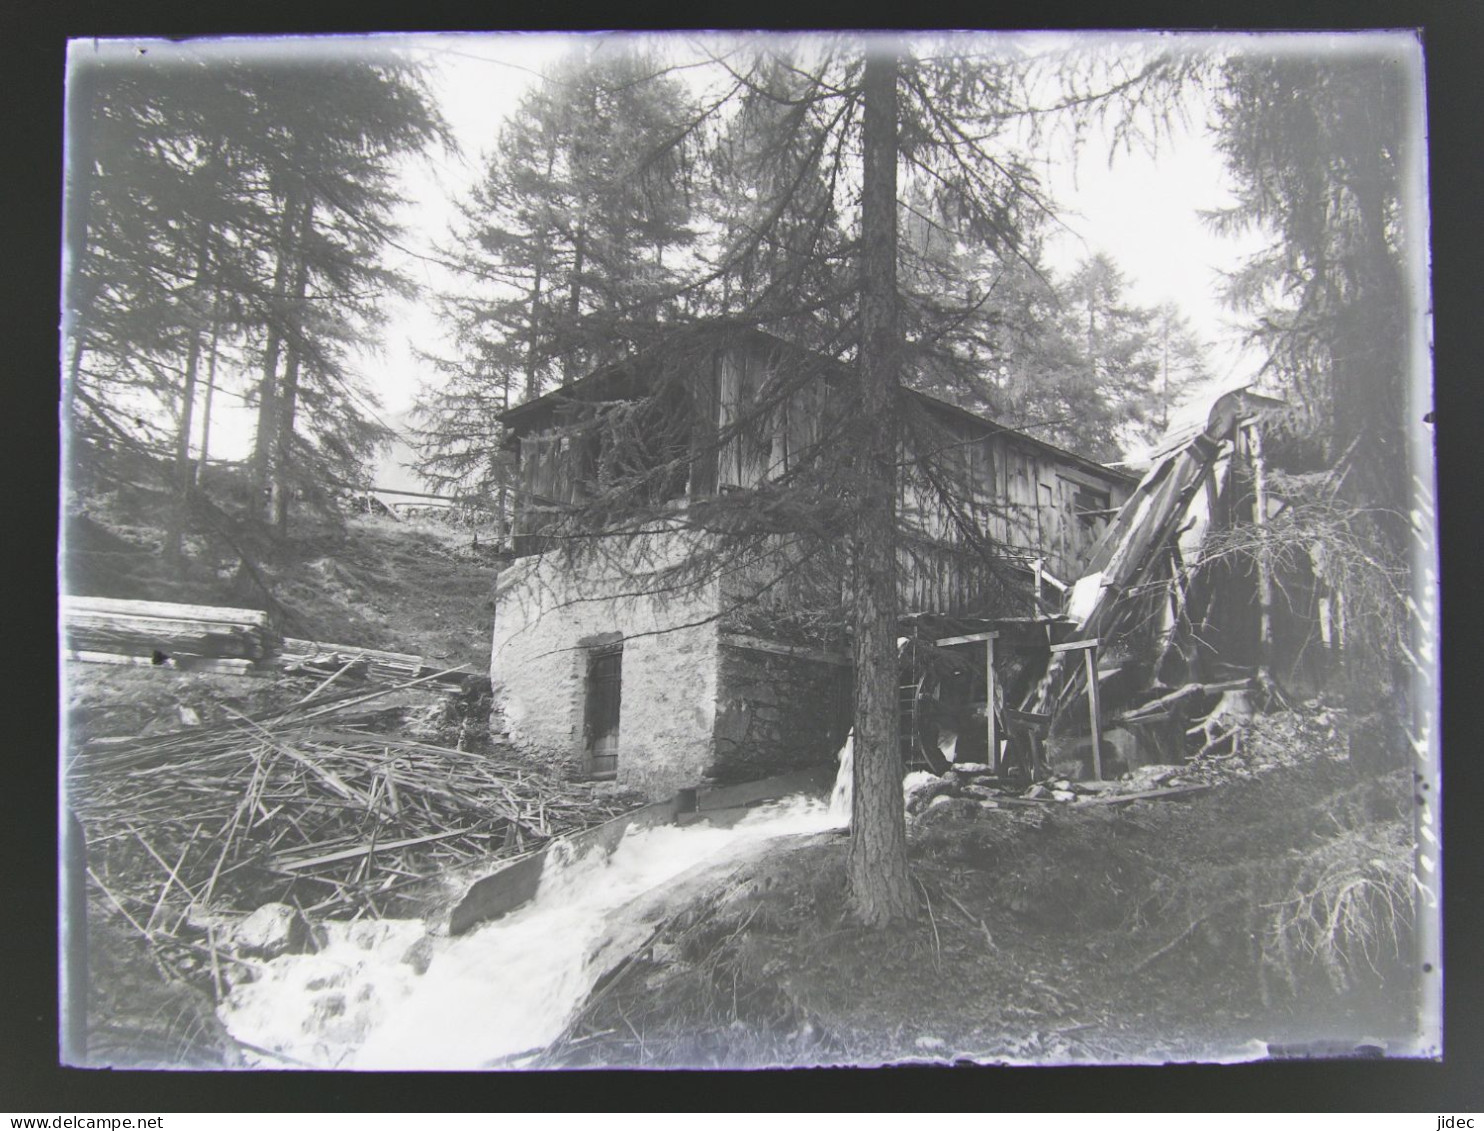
(190, 637)
(310, 806)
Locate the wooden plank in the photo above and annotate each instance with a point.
(110, 606)
(1075, 645)
(352, 853)
(317, 650)
(517, 882)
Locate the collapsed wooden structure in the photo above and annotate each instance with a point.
(1186, 623)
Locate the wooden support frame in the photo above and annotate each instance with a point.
(1089, 650)
(991, 733)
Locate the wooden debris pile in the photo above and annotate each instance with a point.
(311, 806)
(187, 637)
(312, 657)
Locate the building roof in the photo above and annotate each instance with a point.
(575, 390)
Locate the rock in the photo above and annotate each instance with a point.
(978, 792)
(970, 768)
(951, 808)
(921, 790)
(1036, 791)
(1063, 795)
(419, 955)
(666, 954)
(1147, 777)
(272, 930)
(188, 716)
(1096, 786)
(989, 803)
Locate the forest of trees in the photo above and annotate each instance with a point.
(873, 201)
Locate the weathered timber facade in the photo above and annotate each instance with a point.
(613, 676)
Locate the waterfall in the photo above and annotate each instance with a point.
(389, 995)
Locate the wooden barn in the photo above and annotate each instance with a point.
(661, 691)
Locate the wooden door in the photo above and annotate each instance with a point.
(604, 697)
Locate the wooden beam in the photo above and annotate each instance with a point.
(758, 644)
(1075, 645)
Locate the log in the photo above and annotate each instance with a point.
(180, 662)
(142, 641)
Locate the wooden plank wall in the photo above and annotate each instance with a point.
(1020, 495)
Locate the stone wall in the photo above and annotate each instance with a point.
(777, 712)
(551, 614)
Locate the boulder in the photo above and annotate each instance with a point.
(925, 791)
(272, 930)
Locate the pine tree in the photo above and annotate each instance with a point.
(564, 251)
(225, 201)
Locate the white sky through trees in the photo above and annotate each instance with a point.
(1142, 209)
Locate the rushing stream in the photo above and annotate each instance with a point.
(388, 995)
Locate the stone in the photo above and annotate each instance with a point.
(1096, 786)
(1147, 777)
(1063, 795)
(924, 791)
(272, 930)
(419, 955)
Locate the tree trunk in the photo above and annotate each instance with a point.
(880, 888)
(216, 330)
(181, 506)
(574, 300)
(288, 393)
(268, 384)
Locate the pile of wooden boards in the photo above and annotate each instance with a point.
(186, 637)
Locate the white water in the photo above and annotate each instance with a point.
(503, 989)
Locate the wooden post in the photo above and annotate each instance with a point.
(989, 685)
(994, 746)
(1089, 650)
(1094, 712)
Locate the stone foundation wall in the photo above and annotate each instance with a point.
(777, 713)
(550, 616)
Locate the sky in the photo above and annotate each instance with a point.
(1140, 209)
